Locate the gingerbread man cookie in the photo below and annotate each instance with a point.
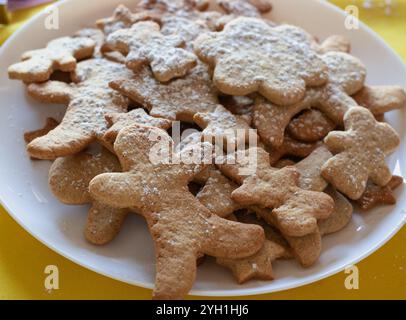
(181, 227)
(60, 54)
(295, 210)
(346, 77)
(310, 126)
(225, 128)
(245, 53)
(381, 99)
(258, 266)
(69, 180)
(118, 121)
(360, 153)
(88, 100)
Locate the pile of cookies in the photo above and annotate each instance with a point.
(243, 87)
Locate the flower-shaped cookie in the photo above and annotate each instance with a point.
(88, 100)
(60, 54)
(250, 56)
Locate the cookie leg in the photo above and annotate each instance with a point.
(103, 223)
(175, 270)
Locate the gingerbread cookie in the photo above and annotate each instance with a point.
(101, 50)
(341, 215)
(291, 147)
(118, 121)
(225, 128)
(310, 126)
(360, 153)
(346, 77)
(59, 54)
(50, 124)
(179, 99)
(258, 266)
(181, 227)
(123, 18)
(69, 180)
(376, 195)
(185, 28)
(381, 99)
(310, 169)
(145, 45)
(216, 194)
(88, 100)
(335, 43)
(307, 249)
(244, 62)
(246, 8)
(295, 210)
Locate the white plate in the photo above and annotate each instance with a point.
(130, 258)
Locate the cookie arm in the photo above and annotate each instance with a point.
(35, 69)
(120, 190)
(51, 92)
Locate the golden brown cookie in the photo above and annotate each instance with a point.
(335, 43)
(181, 227)
(310, 126)
(346, 77)
(381, 99)
(59, 54)
(180, 99)
(216, 194)
(123, 18)
(118, 121)
(360, 153)
(258, 266)
(88, 100)
(292, 147)
(341, 215)
(224, 128)
(145, 45)
(245, 53)
(69, 180)
(310, 169)
(295, 210)
(377, 195)
(246, 8)
(185, 28)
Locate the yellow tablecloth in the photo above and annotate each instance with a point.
(23, 259)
